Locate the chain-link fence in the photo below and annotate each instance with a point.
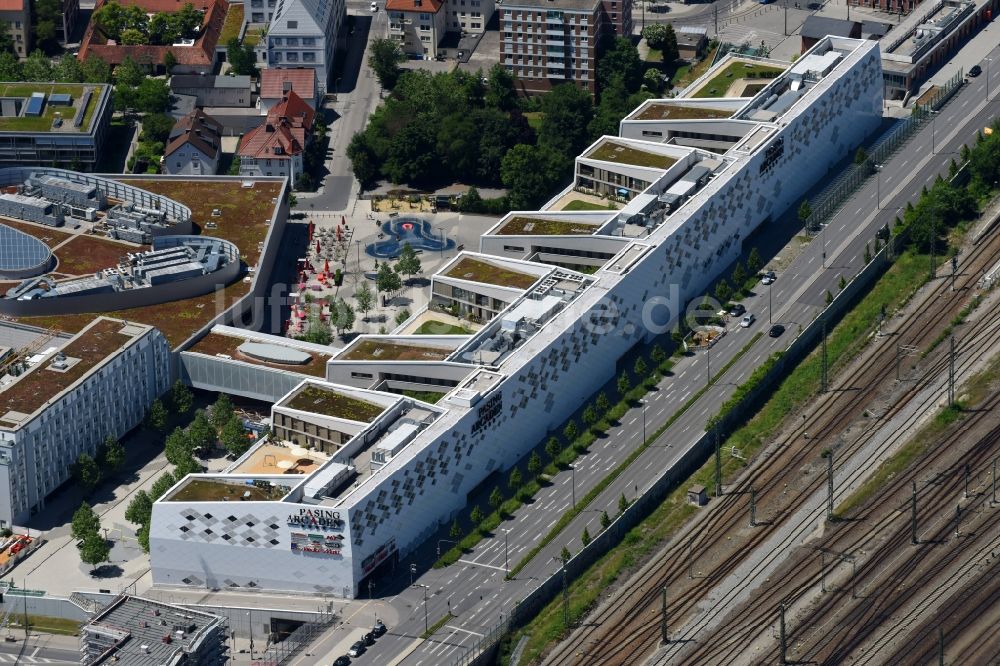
(830, 198)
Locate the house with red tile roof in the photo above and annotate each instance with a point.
(16, 14)
(275, 82)
(277, 147)
(192, 56)
(418, 25)
(194, 145)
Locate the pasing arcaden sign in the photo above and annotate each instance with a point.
(316, 519)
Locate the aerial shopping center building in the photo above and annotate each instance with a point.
(355, 474)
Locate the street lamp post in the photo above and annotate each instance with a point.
(426, 624)
(878, 186)
(506, 561)
(769, 307)
(440, 541)
(643, 420)
(572, 469)
(250, 615)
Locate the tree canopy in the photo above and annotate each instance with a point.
(661, 36)
(384, 56)
(131, 25)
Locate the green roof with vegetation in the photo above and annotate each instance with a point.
(234, 22)
(678, 112)
(383, 350)
(489, 273)
(253, 36)
(317, 400)
(434, 327)
(218, 490)
(534, 226)
(719, 84)
(43, 123)
(580, 204)
(619, 153)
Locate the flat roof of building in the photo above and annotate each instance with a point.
(227, 344)
(536, 225)
(720, 79)
(86, 351)
(674, 111)
(381, 349)
(488, 272)
(137, 628)
(44, 121)
(204, 488)
(274, 458)
(621, 152)
(326, 401)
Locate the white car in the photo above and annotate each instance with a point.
(747, 320)
(374, 6)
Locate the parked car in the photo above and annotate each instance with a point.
(776, 330)
(342, 661)
(975, 70)
(769, 278)
(736, 310)
(379, 628)
(369, 639)
(357, 649)
(747, 320)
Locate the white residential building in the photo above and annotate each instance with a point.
(304, 33)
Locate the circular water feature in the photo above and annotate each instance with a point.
(418, 233)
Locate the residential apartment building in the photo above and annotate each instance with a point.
(67, 400)
(77, 134)
(211, 90)
(194, 146)
(277, 147)
(468, 16)
(16, 14)
(274, 83)
(418, 25)
(304, 33)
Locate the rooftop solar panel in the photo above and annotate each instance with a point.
(35, 104)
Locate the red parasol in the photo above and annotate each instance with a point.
(326, 266)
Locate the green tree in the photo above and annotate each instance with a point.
(86, 471)
(456, 531)
(495, 499)
(10, 67)
(652, 78)
(68, 69)
(133, 37)
(200, 432)
(234, 166)
(658, 355)
(341, 316)
(387, 280)
(661, 36)
(364, 160)
(96, 70)
(140, 509)
(515, 480)
(624, 384)
(723, 291)
(553, 448)
(828, 298)
(6, 41)
(169, 61)
(181, 397)
(754, 262)
(739, 277)
(589, 416)
(564, 554)
(222, 411)
(234, 437)
(129, 73)
(162, 484)
(500, 91)
(156, 127)
(409, 262)
(177, 446)
(152, 96)
(622, 504)
(620, 58)
(532, 173)
(94, 549)
(241, 57)
(805, 211)
(402, 316)
(842, 283)
(85, 521)
(567, 111)
(585, 537)
(860, 156)
(605, 520)
(640, 368)
(37, 67)
(570, 432)
(364, 299)
(476, 516)
(534, 464)
(187, 466)
(602, 404)
(458, 139)
(113, 454)
(156, 417)
(384, 57)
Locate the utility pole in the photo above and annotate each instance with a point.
(913, 516)
(786, 18)
(663, 618)
(951, 375)
(829, 484)
(718, 465)
(781, 636)
(954, 271)
(968, 471)
(823, 382)
(822, 571)
(940, 646)
(753, 507)
(715, 17)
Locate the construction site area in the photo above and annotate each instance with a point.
(867, 531)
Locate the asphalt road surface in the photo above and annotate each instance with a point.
(474, 590)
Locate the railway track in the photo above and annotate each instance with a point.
(635, 611)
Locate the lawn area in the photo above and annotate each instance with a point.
(85, 255)
(383, 350)
(612, 151)
(334, 404)
(580, 204)
(440, 328)
(234, 21)
(685, 74)
(44, 623)
(678, 112)
(425, 396)
(253, 37)
(654, 55)
(488, 273)
(534, 119)
(536, 226)
(718, 85)
(43, 123)
(217, 490)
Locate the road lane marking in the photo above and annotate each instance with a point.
(480, 564)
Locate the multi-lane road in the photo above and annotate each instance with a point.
(474, 590)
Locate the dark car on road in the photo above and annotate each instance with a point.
(737, 310)
(976, 70)
(776, 330)
(379, 628)
(357, 649)
(342, 661)
(369, 639)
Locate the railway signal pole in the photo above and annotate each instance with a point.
(828, 454)
(663, 618)
(913, 516)
(951, 374)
